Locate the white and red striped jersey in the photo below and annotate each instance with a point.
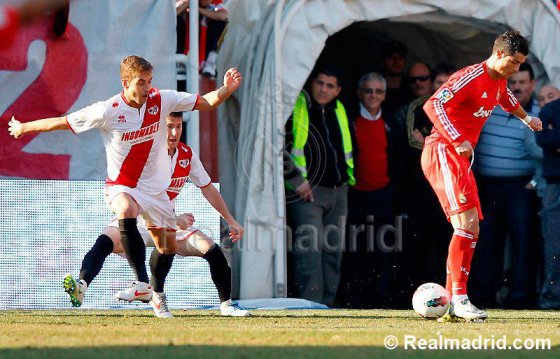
(185, 165)
(461, 106)
(135, 139)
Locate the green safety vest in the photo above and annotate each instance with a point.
(301, 132)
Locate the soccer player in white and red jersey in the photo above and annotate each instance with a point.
(185, 165)
(132, 125)
(458, 110)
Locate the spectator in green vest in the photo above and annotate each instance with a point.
(318, 168)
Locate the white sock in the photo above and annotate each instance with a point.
(212, 55)
(84, 284)
(459, 298)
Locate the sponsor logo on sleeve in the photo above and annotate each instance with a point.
(444, 95)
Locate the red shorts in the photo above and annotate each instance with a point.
(451, 178)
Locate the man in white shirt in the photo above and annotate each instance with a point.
(133, 127)
(184, 164)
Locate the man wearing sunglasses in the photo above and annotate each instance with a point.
(426, 231)
(419, 80)
(366, 269)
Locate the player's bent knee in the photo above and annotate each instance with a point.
(166, 250)
(169, 246)
(127, 211)
(471, 221)
(201, 242)
(467, 220)
(115, 235)
(124, 206)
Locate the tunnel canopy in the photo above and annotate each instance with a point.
(276, 44)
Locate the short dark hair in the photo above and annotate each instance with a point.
(443, 68)
(392, 46)
(176, 114)
(527, 67)
(328, 70)
(511, 42)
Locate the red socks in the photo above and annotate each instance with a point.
(461, 250)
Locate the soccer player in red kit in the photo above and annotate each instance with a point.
(458, 110)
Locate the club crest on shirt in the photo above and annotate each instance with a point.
(152, 94)
(462, 198)
(444, 95)
(153, 110)
(184, 163)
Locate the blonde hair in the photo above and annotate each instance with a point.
(134, 65)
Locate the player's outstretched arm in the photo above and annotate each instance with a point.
(211, 100)
(217, 201)
(18, 129)
(534, 123)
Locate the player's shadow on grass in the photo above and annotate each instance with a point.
(141, 314)
(197, 313)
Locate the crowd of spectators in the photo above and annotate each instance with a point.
(367, 238)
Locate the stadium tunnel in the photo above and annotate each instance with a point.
(277, 44)
(356, 49)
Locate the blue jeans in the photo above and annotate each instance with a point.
(550, 293)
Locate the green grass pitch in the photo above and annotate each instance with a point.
(267, 334)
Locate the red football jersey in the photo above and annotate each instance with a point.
(461, 106)
(186, 165)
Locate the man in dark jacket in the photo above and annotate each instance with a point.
(318, 167)
(549, 140)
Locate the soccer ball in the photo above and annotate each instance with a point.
(431, 300)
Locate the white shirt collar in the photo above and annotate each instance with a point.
(365, 114)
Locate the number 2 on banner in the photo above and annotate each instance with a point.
(52, 94)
